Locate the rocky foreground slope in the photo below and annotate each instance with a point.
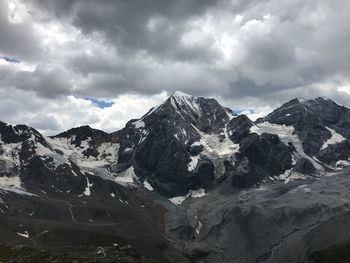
(189, 181)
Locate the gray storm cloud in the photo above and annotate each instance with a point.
(241, 51)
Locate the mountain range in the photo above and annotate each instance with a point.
(190, 181)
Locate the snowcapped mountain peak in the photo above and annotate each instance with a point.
(181, 94)
(320, 99)
(181, 101)
(17, 133)
(301, 100)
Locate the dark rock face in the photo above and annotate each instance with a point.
(312, 120)
(335, 152)
(304, 166)
(260, 157)
(83, 133)
(18, 133)
(302, 113)
(165, 134)
(196, 252)
(25, 137)
(239, 128)
(38, 176)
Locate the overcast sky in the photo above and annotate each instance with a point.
(66, 63)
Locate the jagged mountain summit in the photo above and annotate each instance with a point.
(184, 156)
(190, 143)
(211, 144)
(174, 146)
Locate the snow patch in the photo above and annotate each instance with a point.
(199, 227)
(139, 124)
(13, 181)
(289, 176)
(342, 163)
(87, 191)
(196, 144)
(196, 193)
(178, 200)
(107, 152)
(127, 149)
(147, 185)
(25, 234)
(13, 184)
(198, 224)
(126, 177)
(335, 138)
(58, 159)
(193, 163)
(9, 159)
(214, 149)
(213, 146)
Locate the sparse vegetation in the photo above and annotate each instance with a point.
(25, 254)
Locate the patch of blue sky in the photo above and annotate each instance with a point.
(10, 60)
(102, 104)
(244, 111)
